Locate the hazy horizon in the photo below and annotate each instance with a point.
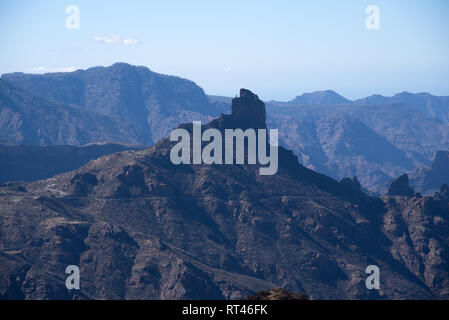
(37, 72)
(277, 49)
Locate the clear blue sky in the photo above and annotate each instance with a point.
(278, 49)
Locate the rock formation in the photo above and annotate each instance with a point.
(140, 227)
(400, 187)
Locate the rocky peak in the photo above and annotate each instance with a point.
(248, 111)
(400, 187)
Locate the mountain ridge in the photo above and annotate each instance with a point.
(137, 106)
(140, 227)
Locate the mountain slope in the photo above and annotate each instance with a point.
(140, 227)
(426, 103)
(28, 119)
(153, 102)
(375, 143)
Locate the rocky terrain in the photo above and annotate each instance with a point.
(140, 227)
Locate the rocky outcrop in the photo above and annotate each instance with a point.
(248, 111)
(400, 187)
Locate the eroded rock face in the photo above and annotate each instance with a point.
(140, 227)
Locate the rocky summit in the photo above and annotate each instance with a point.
(140, 227)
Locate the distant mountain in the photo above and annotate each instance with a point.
(428, 104)
(152, 102)
(320, 97)
(140, 227)
(29, 119)
(29, 163)
(374, 143)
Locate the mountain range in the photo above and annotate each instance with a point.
(376, 138)
(320, 97)
(140, 227)
(151, 103)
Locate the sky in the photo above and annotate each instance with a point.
(278, 49)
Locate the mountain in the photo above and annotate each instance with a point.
(428, 104)
(140, 227)
(376, 139)
(28, 163)
(28, 119)
(376, 143)
(320, 97)
(152, 102)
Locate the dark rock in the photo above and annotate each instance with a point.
(400, 187)
(351, 183)
(248, 111)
